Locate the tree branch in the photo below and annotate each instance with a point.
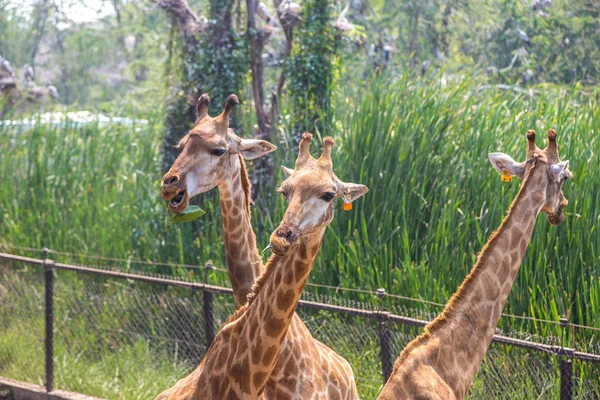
(189, 23)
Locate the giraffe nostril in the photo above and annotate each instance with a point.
(171, 180)
(284, 233)
(288, 234)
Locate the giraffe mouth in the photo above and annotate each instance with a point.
(279, 246)
(557, 218)
(178, 201)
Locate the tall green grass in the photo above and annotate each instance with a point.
(420, 148)
(434, 198)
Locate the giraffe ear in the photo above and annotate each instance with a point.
(505, 165)
(287, 171)
(560, 172)
(254, 148)
(350, 191)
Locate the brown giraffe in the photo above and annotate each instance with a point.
(443, 361)
(212, 155)
(245, 351)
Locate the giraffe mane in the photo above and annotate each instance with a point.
(246, 185)
(449, 311)
(256, 288)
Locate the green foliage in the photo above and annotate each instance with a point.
(420, 148)
(564, 44)
(89, 64)
(191, 213)
(564, 39)
(12, 35)
(310, 67)
(78, 81)
(216, 64)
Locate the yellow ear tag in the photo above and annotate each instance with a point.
(347, 206)
(505, 177)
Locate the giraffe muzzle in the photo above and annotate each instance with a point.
(283, 239)
(173, 189)
(558, 216)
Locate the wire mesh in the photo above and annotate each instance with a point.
(124, 330)
(125, 338)
(22, 322)
(509, 372)
(354, 338)
(586, 380)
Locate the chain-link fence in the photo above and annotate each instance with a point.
(119, 335)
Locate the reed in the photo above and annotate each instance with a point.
(421, 148)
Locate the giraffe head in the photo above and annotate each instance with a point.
(545, 170)
(206, 153)
(310, 190)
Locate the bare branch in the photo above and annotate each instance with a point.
(186, 19)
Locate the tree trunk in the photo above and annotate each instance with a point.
(213, 63)
(257, 38)
(414, 36)
(444, 41)
(263, 166)
(288, 30)
(40, 27)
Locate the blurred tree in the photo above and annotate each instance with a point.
(213, 60)
(547, 41)
(310, 68)
(117, 63)
(88, 62)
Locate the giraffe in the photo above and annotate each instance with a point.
(212, 155)
(242, 357)
(443, 361)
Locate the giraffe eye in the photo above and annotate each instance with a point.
(328, 196)
(281, 192)
(217, 152)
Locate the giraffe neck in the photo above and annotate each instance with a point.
(264, 322)
(242, 356)
(243, 260)
(464, 330)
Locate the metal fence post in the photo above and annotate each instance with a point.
(49, 316)
(384, 339)
(566, 378)
(565, 366)
(207, 308)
